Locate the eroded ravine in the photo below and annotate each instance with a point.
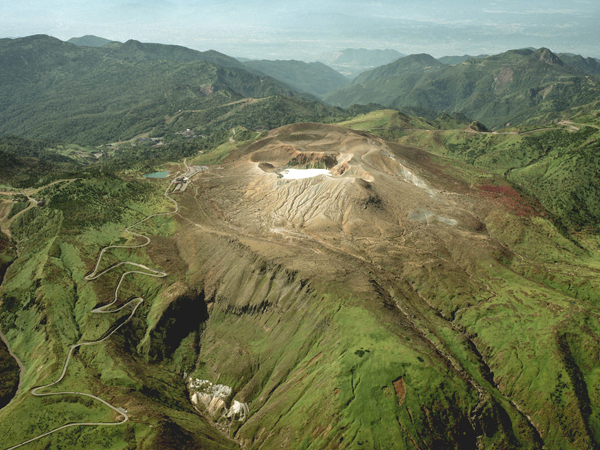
(19, 363)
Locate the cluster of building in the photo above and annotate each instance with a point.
(190, 134)
(181, 183)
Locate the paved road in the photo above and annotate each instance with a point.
(28, 193)
(105, 309)
(568, 122)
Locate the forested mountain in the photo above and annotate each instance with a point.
(409, 65)
(588, 65)
(499, 89)
(138, 51)
(89, 41)
(458, 59)
(53, 89)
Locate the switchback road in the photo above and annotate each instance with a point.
(105, 309)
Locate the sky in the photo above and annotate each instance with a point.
(305, 29)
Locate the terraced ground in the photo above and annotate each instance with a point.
(415, 298)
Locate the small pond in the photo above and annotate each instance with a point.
(157, 175)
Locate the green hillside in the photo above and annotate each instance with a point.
(56, 90)
(503, 89)
(385, 83)
(388, 123)
(409, 65)
(26, 162)
(313, 78)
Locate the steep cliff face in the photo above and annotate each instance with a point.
(9, 366)
(178, 323)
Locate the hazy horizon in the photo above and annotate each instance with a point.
(305, 29)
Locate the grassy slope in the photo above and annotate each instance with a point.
(335, 369)
(9, 369)
(45, 306)
(388, 123)
(550, 271)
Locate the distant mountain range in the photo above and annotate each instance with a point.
(496, 90)
(313, 78)
(89, 41)
(94, 94)
(352, 62)
(53, 89)
(588, 65)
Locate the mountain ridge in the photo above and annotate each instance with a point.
(61, 91)
(351, 62)
(496, 90)
(90, 40)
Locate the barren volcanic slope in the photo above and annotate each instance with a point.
(379, 308)
(395, 300)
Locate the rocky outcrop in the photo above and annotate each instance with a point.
(215, 400)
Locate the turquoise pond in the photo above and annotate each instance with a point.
(157, 175)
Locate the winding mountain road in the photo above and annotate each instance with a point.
(105, 309)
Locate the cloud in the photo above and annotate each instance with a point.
(562, 12)
(499, 11)
(301, 28)
(538, 12)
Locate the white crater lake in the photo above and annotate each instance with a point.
(296, 174)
